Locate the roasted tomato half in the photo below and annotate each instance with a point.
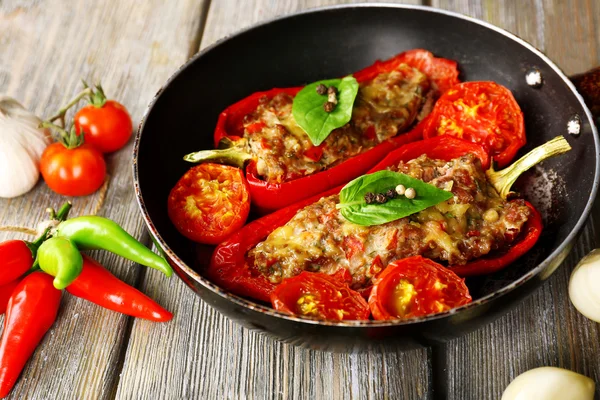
(416, 286)
(482, 112)
(209, 203)
(319, 296)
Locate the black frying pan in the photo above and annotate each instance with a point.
(335, 41)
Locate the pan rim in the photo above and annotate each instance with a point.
(243, 302)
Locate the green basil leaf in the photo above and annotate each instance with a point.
(310, 115)
(354, 208)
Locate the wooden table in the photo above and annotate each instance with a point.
(133, 47)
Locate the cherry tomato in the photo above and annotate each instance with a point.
(107, 128)
(481, 112)
(73, 172)
(16, 259)
(416, 286)
(209, 203)
(320, 296)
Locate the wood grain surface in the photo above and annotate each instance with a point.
(133, 46)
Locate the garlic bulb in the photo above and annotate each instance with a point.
(21, 146)
(550, 383)
(584, 286)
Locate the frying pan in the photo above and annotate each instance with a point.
(335, 41)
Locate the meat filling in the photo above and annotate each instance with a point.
(384, 107)
(473, 223)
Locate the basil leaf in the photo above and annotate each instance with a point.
(354, 208)
(310, 115)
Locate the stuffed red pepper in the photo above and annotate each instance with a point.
(470, 227)
(283, 163)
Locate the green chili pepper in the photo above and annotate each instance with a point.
(60, 258)
(93, 232)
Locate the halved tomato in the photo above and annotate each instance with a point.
(481, 112)
(416, 286)
(209, 202)
(319, 296)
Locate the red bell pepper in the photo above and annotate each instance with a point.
(272, 196)
(231, 269)
(15, 259)
(31, 311)
(98, 285)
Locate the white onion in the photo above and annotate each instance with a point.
(584, 286)
(550, 383)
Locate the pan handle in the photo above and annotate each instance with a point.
(588, 84)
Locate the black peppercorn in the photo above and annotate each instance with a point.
(321, 89)
(369, 198)
(390, 194)
(328, 106)
(332, 90)
(380, 198)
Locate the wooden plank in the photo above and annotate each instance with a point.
(46, 48)
(545, 330)
(201, 354)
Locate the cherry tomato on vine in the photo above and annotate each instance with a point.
(209, 202)
(481, 112)
(320, 296)
(76, 171)
(107, 127)
(416, 286)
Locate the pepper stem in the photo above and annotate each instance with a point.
(504, 179)
(228, 153)
(232, 157)
(55, 219)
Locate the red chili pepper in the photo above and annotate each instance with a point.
(98, 285)
(231, 269)
(267, 197)
(31, 311)
(5, 293)
(15, 259)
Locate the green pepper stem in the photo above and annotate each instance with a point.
(504, 179)
(63, 213)
(232, 156)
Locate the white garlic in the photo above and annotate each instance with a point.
(22, 143)
(550, 383)
(584, 286)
